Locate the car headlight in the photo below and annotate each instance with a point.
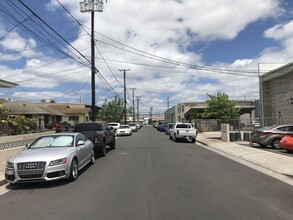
(57, 162)
(9, 164)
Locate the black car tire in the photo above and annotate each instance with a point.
(193, 140)
(262, 145)
(73, 170)
(175, 138)
(275, 144)
(113, 144)
(102, 150)
(289, 151)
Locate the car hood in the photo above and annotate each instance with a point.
(42, 154)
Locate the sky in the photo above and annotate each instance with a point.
(174, 51)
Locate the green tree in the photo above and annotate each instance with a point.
(220, 107)
(25, 124)
(3, 114)
(112, 111)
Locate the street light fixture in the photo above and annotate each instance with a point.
(92, 6)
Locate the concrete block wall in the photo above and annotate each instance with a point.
(7, 153)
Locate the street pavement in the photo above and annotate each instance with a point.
(279, 166)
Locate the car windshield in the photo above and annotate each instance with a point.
(266, 128)
(53, 141)
(124, 126)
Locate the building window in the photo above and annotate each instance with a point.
(292, 83)
(280, 86)
(182, 108)
(73, 118)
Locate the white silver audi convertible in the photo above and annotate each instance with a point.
(51, 157)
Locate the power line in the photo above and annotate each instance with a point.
(54, 31)
(95, 47)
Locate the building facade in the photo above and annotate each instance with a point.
(276, 96)
(188, 111)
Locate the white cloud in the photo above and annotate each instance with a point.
(37, 95)
(166, 29)
(280, 31)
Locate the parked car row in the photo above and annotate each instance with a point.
(125, 129)
(178, 131)
(280, 136)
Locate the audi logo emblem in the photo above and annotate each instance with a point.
(31, 165)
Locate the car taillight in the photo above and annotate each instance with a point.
(96, 136)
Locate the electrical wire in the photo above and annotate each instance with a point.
(96, 48)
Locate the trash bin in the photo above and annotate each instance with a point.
(246, 136)
(233, 136)
(238, 136)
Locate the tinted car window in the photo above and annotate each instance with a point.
(112, 124)
(88, 127)
(286, 128)
(182, 126)
(80, 137)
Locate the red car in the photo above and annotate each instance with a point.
(287, 143)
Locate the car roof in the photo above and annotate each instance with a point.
(60, 134)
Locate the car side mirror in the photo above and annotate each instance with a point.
(79, 143)
(26, 146)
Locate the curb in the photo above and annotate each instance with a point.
(2, 182)
(2, 178)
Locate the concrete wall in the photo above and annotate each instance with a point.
(228, 135)
(5, 154)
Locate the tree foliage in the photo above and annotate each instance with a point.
(220, 107)
(112, 111)
(3, 113)
(20, 125)
(26, 124)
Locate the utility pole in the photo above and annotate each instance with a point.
(124, 77)
(137, 100)
(93, 116)
(151, 114)
(92, 6)
(133, 107)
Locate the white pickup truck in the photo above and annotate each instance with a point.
(183, 131)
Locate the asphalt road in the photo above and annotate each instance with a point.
(151, 177)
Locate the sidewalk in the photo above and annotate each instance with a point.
(279, 166)
(276, 165)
